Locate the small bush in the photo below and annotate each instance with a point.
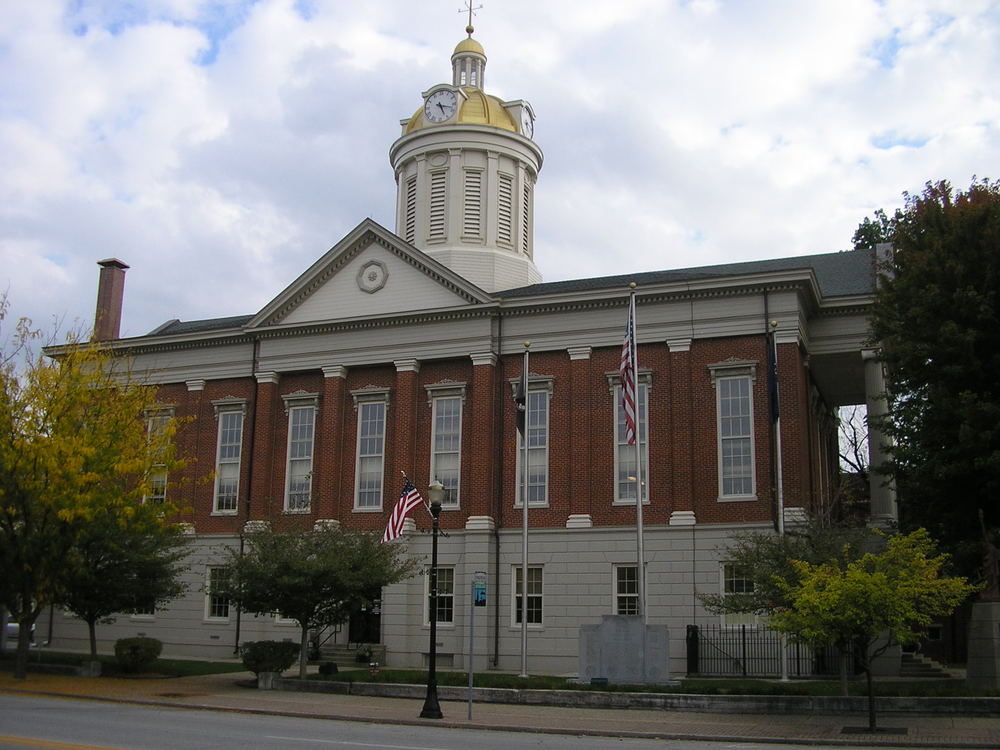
(268, 656)
(135, 653)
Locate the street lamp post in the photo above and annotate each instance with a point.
(432, 709)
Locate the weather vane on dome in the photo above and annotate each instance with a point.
(471, 10)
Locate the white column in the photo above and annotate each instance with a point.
(883, 491)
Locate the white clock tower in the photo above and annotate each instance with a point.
(465, 170)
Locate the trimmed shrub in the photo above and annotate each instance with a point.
(135, 653)
(269, 656)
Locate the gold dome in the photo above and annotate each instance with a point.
(469, 45)
(477, 108)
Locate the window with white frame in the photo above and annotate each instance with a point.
(624, 453)
(370, 466)
(156, 423)
(445, 596)
(537, 433)
(228, 454)
(301, 433)
(534, 595)
(626, 589)
(216, 602)
(733, 383)
(446, 442)
(737, 580)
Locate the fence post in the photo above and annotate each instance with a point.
(743, 648)
(692, 649)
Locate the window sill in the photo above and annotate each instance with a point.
(224, 513)
(296, 511)
(367, 510)
(737, 498)
(629, 503)
(218, 621)
(517, 628)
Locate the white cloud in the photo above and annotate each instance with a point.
(220, 147)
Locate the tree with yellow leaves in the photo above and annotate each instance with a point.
(880, 599)
(75, 451)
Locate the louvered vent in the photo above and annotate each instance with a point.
(525, 246)
(505, 209)
(437, 217)
(472, 222)
(410, 222)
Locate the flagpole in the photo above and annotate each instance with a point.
(524, 519)
(779, 480)
(640, 553)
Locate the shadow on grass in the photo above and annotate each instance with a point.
(110, 668)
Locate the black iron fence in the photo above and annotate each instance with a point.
(752, 651)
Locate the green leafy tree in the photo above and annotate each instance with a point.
(767, 561)
(880, 599)
(74, 447)
(873, 231)
(123, 564)
(937, 319)
(315, 577)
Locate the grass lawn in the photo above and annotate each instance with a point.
(166, 667)
(698, 686)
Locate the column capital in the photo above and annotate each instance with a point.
(483, 358)
(407, 365)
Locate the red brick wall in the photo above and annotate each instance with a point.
(683, 448)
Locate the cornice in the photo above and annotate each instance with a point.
(602, 299)
(249, 335)
(354, 324)
(584, 300)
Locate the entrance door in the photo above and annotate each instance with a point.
(365, 624)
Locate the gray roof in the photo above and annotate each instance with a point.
(176, 327)
(847, 273)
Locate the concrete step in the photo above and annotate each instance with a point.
(919, 666)
(347, 655)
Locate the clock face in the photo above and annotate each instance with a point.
(441, 105)
(527, 124)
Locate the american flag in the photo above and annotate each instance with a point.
(409, 499)
(627, 374)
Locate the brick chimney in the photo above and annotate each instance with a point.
(110, 293)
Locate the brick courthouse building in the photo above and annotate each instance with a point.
(398, 352)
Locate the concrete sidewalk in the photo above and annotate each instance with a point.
(225, 692)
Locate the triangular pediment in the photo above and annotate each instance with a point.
(370, 272)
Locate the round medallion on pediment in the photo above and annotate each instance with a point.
(372, 276)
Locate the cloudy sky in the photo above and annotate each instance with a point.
(220, 147)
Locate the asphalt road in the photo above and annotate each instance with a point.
(66, 724)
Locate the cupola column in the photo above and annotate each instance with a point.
(468, 64)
